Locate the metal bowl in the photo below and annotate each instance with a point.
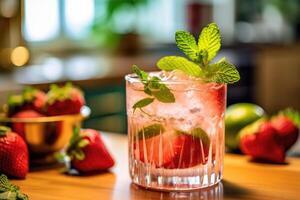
(47, 135)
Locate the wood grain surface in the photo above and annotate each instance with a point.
(242, 180)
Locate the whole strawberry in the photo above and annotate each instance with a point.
(34, 99)
(30, 99)
(287, 130)
(13, 154)
(88, 152)
(260, 140)
(65, 100)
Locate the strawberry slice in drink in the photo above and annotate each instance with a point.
(172, 150)
(214, 96)
(154, 145)
(190, 149)
(156, 151)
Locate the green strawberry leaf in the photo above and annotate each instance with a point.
(76, 144)
(142, 103)
(222, 72)
(78, 154)
(60, 156)
(15, 100)
(75, 136)
(150, 131)
(57, 93)
(210, 41)
(170, 63)
(251, 128)
(83, 143)
(187, 43)
(292, 114)
(29, 93)
(4, 130)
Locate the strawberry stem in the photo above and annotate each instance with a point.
(4, 130)
(77, 142)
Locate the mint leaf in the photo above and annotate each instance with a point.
(142, 103)
(187, 43)
(9, 195)
(154, 83)
(210, 41)
(150, 131)
(140, 73)
(9, 191)
(222, 72)
(201, 134)
(164, 94)
(170, 63)
(21, 196)
(196, 132)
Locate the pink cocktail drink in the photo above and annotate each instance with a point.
(178, 145)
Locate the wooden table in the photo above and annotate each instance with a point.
(242, 180)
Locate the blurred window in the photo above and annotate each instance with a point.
(79, 15)
(49, 19)
(72, 20)
(41, 20)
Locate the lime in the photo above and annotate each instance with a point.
(237, 117)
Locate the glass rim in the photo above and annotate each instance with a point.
(133, 78)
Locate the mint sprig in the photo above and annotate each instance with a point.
(154, 88)
(209, 43)
(9, 191)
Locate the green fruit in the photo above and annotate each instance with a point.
(237, 117)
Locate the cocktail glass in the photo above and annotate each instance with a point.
(176, 146)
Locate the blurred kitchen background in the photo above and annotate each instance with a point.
(94, 43)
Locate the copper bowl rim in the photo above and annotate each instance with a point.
(84, 113)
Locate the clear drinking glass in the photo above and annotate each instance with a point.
(180, 145)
